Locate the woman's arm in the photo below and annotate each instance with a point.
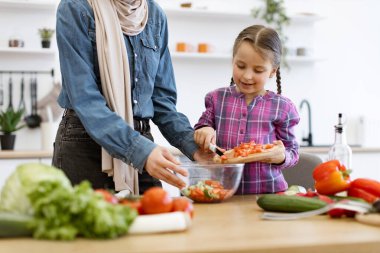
(76, 44)
(174, 126)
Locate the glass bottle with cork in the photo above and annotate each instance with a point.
(340, 150)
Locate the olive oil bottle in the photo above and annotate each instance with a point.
(340, 150)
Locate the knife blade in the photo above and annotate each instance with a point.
(215, 149)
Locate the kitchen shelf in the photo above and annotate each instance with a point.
(29, 4)
(194, 13)
(177, 55)
(22, 50)
(25, 154)
(303, 59)
(225, 56)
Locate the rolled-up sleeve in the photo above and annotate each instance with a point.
(77, 57)
(285, 131)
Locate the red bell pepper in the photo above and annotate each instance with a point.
(367, 189)
(331, 177)
(339, 213)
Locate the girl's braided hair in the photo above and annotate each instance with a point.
(267, 43)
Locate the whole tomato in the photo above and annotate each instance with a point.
(156, 200)
(107, 196)
(182, 204)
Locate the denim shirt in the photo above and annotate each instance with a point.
(152, 79)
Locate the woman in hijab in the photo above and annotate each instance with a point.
(117, 76)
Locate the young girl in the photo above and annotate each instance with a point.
(245, 111)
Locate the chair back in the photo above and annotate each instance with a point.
(302, 173)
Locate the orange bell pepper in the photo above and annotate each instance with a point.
(331, 177)
(367, 189)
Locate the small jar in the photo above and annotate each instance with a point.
(15, 42)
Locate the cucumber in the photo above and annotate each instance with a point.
(15, 225)
(289, 204)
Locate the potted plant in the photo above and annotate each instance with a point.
(10, 123)
(274, 14)
(46, 34)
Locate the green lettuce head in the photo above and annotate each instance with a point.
(28, 181)
(60, 211)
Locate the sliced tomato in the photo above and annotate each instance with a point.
(214, 183)
(268, 146)
(107, 196)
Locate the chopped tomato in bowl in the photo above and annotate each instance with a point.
(211, 182)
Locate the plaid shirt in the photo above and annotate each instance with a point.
(267, 118)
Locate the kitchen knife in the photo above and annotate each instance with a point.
(215, 149)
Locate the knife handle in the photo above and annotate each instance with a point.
(215, 149)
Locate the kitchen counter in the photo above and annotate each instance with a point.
(325, 149)
(233, 226)
(20, 154)
(26, 154)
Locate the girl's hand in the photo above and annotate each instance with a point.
(201, 156)
(161, 164)
(204, 136)
(278, 157)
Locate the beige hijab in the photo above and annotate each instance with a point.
(112, 19)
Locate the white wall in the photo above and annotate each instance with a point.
(345, 81)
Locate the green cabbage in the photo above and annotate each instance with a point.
(27, 179)
(59, 210)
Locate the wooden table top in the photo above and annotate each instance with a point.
(233, 226)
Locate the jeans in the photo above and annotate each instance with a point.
(79, 156)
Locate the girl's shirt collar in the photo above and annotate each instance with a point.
(268, 94)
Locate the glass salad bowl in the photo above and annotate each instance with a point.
(210, 182)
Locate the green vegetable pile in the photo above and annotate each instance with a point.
(59, 211)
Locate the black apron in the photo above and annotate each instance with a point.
(79, 156)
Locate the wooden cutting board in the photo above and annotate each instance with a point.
(266, 153)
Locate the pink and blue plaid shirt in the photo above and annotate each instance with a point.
(267, 118)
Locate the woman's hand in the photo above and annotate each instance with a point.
(161, 164)
(204, 136)
(279, 156)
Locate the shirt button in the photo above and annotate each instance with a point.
(244, 114)
(241, 131)
(135, 55)
(135, 101)
(155, 47)
(136, 79)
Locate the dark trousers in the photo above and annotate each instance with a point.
(79, 156)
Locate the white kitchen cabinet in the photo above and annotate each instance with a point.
(9, 160)
(9, 166)
(366, 165)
